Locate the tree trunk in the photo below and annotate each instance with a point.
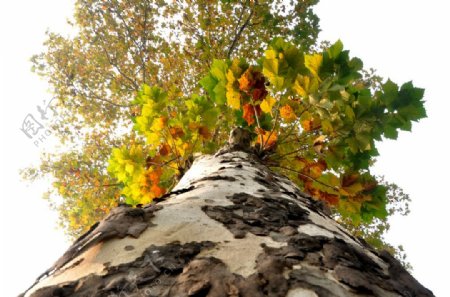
(231, 227)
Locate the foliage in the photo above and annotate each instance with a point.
(116, 47)
(316, 120)
(373, 232)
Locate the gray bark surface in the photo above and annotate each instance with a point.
(231, 227)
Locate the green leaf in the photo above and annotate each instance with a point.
(210, 117)
(335, 50)
(390, 94)
(349, 113)
(209, 82)
(390, 132)
(219, 92)
(219, 69)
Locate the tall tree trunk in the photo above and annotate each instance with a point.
(231, 227)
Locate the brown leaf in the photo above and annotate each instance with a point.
(176, 132)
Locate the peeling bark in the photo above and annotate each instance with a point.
(231, 227)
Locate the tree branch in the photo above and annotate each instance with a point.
(97, 97)
(136, 86)
(239, 33)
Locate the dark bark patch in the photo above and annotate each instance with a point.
(122, 221)
(259, 216)
(217, 177)
(153, 273)
(210, 277)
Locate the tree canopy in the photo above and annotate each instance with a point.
(144, 85)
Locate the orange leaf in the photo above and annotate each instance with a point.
(204, 132)
(246, 80)
(287, 113)
(193, 126)
(260, 131)
(164, 149)
(157, 190)
(259, 94)
(331, 199)
(315, 169)
(269, 139)
(349, 179)
(249, 114)
(252, 82)
(176, 132)
(307, 125)
(155, 175)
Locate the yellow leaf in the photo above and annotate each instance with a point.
(234, 99)
(235, 67)
(152, 138)
(313, 63)
(319, 140)
(230, 77)
(352, 189)
(129, 168)
(333, 180)
(271, 54)
(159, 123)
(267, 104)
(305, 85)
(299, 89)
(233, 96)
(147, 108)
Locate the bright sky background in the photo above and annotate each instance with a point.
(404, 40)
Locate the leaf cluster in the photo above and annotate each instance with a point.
(312, 117)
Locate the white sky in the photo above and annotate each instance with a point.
(404, 40)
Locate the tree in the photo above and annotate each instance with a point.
(308, 120)
(231, 227)
(316, 122)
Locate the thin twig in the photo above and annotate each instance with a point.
(259, 126)
(290, 153)
(306, 176)
(136, 86)
(97, 97)
(274, 125)
(239, 33)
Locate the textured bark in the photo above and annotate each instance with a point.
(231, 227)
